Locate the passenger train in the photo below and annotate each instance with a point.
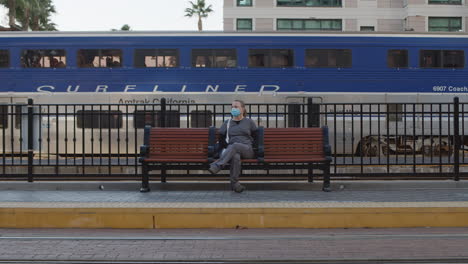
(215, 67)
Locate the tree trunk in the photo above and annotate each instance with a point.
(200, 25)
(26, 19)
(35, 23)
(12, 13)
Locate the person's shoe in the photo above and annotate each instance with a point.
(238, 188)
(214, 168)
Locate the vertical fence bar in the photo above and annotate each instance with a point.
(30, 140)
(162, 120)
(309, 112)
(456, 137)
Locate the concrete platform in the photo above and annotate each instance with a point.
(358, 204)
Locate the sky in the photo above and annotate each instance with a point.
(104, 15)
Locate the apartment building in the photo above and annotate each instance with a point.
(346, 15)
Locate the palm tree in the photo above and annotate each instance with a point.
(126, 27)
(12, 6)
(200, 10)
(34, 14)
(27, 11)
(40, 18)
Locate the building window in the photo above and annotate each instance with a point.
(244, 2)
(142, 118)
(4, 59)
(445, 23)
(214, 58)
(200, 118)
(445, 2)
(442, 59)
(397, 59)
(244, 24)
(271, 58)
(99, 119)
(367, 28)
(309, 24)
(156, 58)
(100, 58)
(311, 3)
(328, 58)
(43, 59)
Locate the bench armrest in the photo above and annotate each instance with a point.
(260, 144)
(144, 149)
(326, 144)
(328, 154)
(211, 144)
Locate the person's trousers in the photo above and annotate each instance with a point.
(232, 155)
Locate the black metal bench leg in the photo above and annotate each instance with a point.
(326, 178)
(163, 175)
(144, 179)
(310, 174)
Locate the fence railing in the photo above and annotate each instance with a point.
(102, 140)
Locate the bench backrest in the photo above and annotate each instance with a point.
(295, 142)
(177, 143)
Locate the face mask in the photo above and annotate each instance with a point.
(235, 112)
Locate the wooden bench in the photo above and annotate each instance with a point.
(276, 148)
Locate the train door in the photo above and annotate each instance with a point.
(13, 132)
(297, 111)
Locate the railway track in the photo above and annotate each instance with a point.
(388, 261)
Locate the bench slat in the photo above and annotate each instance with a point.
(174, 160)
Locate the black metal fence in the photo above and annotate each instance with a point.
(380, 140)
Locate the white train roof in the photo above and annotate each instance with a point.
(10, 34)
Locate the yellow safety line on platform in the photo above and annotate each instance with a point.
(233, 217)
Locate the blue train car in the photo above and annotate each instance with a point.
(139, 66)
(187, 67)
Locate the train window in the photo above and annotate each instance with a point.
(43, 59)
(397, 58)
(453, 59)
(271, 58)
(100, 58)
(99, 119)
(395, 112)
(328, 58)
(156, 58)
(3, 116)
(442, 59)
(141, 118)
(201, 118)
(4, 59)
(430, 58)
(294, 115)
(214, 58)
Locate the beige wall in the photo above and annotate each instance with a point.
(264, 24)
(229, 24)
(351, 3)
(229, 3)
(466, 24)
(392, 25)
(264, 3)
(417, 23)
(350, 25)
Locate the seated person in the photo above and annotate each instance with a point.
(238, 135)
